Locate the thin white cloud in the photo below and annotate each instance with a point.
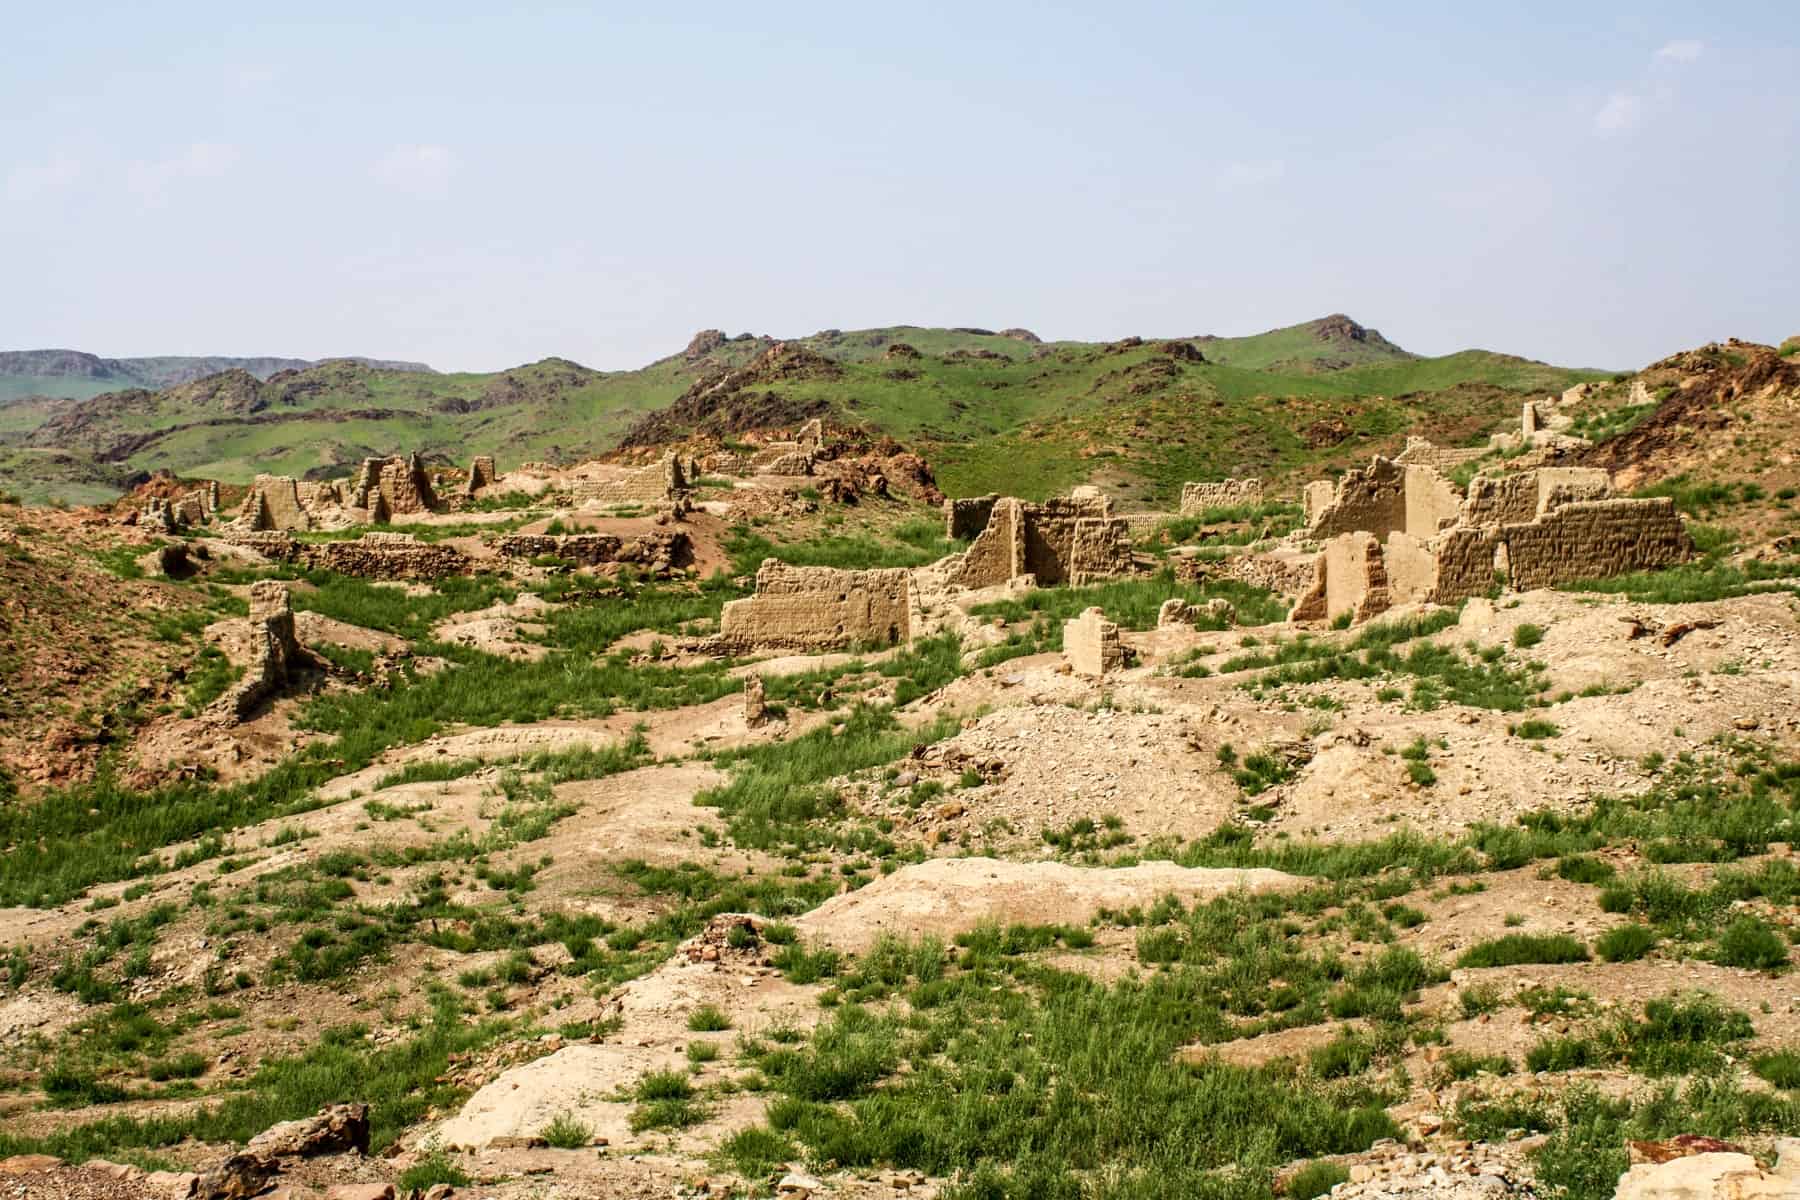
(416, 166)
(30, 180)
(1681, 50)
(248, 76)
(1621, 112)
(1239, 175)
(152, 182)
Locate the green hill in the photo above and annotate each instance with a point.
(77, 375)
(993, 410)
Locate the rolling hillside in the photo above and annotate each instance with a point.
(76, 375)
(994, 410)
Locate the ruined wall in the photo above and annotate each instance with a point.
(653, 484)
(1381, 498)
(998, 552)
(1315, 498)
(818, 608)
(1100, 549)
(1349, 576)
(272, 652)
(1527, 495)
(1064, 540)
(271, 544)
(274, 503)
(481, 474)
(967, 518)
(404, 486)
(1432, 502)
(1463, 565)
(1591, 539)
(659, 552)
(1091, 644)
(1049, 531)
(1421, 452)
(1196, 498)
(390, 556)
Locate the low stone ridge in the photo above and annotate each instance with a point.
(1196, 498)
(390, 556)
(659, 552)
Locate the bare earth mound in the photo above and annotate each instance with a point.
(947, 896)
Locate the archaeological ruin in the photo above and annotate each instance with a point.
(818, 608)
(1064, 540)
(1197, 498)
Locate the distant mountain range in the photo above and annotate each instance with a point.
(76, 374)
(993, 410)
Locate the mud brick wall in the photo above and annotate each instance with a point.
(1349, 576)
(271, 544)
(1592, 539)
(1465, 564)
(645, 485)
(274, 503)
(1196, 498)
(1516, 499)
(1420, 452)
(481, 474)
(1384, 497)
(1100, 549)
(1432, 502)
(1091, 644)
(998, 552)
(273, 650)
(819, 608)
(965, 519)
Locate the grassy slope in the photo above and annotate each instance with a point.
(1031, 423)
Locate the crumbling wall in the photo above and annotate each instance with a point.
(653, 484)
(1349, 576)
(658, 551)
(1064, 540)
(481, 474)
(272, 652)
(965, 519)
(271, 544)
(1382, 498)
(1462, 565)
(1091, 644)
(818, 608)
(390, 556)
(1422, 452)
(1593, 539)
(1527, 495)
(273, 502)
(1315, 498)
(1100, 549)
(1196, 498)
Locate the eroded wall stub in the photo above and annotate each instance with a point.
(1349, 577)
(653, 484)
(481, 474)
(273, 503)
(1384, 497)
(1091, 644)
(272, 653)
(1527, 495)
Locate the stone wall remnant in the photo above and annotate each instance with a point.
(1196, 498)
(659, 551)
(1349, 577)
(1527, 495)
(384, 555)
(756, 709)
(1091, 644)
(818, 608)
(1382, 498)
(273, 502)
(1594, 539)
(392, 485)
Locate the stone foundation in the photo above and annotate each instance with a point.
(655, 484)
(390, 556)
(659, 552)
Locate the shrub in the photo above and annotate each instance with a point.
(1781, 1068)
(708, 1018)
(1526, 636)
(1315, 1179)
(433, 1167)
(1517, 948)
(566, 1133)
(1626, 943)
(1748, 942)
(1535, 729)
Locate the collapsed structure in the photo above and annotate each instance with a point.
(1063, 540)
(381, 489)
(658, 483)
(1197, 498)
(1396, 534)
(270, 653)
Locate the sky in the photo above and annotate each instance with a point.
(480, 185)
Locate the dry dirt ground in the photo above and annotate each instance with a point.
(1010, 817)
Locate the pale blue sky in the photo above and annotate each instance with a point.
(479, 185)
